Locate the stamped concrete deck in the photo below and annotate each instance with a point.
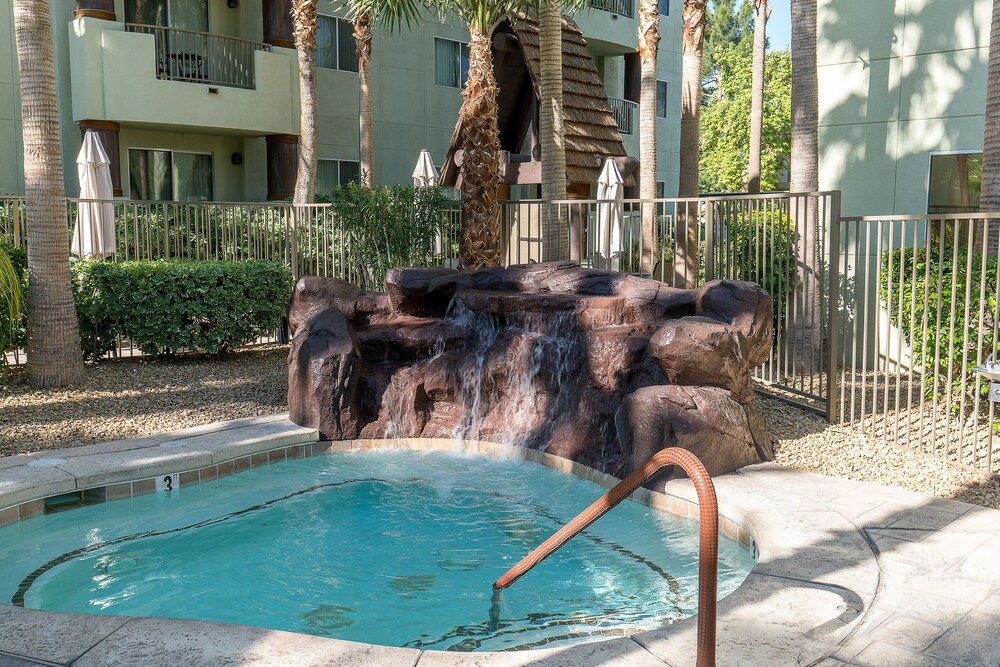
(848, 574)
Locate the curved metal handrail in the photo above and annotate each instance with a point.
(708, 560)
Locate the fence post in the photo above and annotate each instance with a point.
(709, 240)
(833, 309)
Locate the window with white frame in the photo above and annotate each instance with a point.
(956, 180)
(661, 99)
(332, 173)
(164, 175)
(451, 62)
(335, 47)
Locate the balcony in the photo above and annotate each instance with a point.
(201, 57)
(181, 80)
(618, 7)
(623, 110)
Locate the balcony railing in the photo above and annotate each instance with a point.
(619, 7)
(622, 111)
(201, 57)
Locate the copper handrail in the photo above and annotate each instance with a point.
(708, 542)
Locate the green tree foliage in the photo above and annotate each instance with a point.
(729, 26)
(13, 299)
(725, 124)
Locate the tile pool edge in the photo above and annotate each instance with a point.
(832, 601)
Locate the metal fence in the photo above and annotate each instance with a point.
(917, 304)
(681, 242)
(201, 57)
(778, 241)
(619, 7)
(624, 113)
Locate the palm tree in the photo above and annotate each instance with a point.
(804, 316)
(989, 198)
(304, 30)
(762, 10)
(648, 47)
(693, 40)
(54, 358)
(805, 98)
(551, 128)
(480, 238)
(362, 21)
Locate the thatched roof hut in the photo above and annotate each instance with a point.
(591, 133)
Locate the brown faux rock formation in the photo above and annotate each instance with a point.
(599, 367)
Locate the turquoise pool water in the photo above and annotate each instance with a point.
(387, 547)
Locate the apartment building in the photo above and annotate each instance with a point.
(198, 99)
(902, 88)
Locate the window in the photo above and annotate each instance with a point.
(335, 48)
(172, 13)
(955, 183)
(161, 175)
(331, 173)
(661, 99)
(451, 63)
(664, 7)
(661, 188)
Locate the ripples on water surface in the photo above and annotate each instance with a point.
(387, 547)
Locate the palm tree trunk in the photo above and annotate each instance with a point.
(805, 98)
(54, 356)
(989, 198)
(552, 132)
(304, 29)
(762, 11)
(480, 244)
(649, 48)
(363, 42)
(693, 41)
(804, 318)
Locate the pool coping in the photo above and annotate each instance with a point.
(816, 579)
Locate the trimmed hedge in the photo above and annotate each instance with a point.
(174, 305)
(947, 345)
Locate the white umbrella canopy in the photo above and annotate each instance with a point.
(610, 187)
(425, 175)
(94, 233)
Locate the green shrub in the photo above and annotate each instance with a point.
(928, 285)
(13, 299)
(173, 305)
(385, 227)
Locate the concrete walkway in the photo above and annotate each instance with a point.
(847, 573)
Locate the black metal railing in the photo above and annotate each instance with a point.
(201, 57)
(623, 111)
(619, 7)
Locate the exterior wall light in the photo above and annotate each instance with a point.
(236, 159)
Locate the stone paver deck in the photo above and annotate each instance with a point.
(848, 574)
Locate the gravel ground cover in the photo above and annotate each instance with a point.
(134, 397)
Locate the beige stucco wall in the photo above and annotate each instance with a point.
(104, 72)
(898, 80)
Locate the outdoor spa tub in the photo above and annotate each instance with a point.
(372, 542)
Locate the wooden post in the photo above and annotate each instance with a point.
(96, 9)
(282, 160)
(108, 131)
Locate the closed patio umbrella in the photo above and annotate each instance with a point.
(94, 232)
(426, 175)
(611, 189)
